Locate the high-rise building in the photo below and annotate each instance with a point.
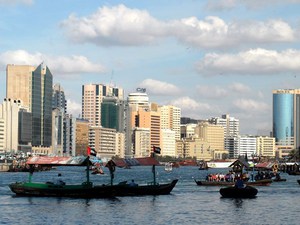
(58, 98)
(231, 130)
(265, 146)
(286, 117)
(244, 145)
(14, 139)
(213, 134)
(168, 142)
(92, 96)
(170, 119)
(112, 113)
(33, 86)
(82, 136)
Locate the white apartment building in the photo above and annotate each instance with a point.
(168, 142)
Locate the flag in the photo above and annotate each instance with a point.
(156, 149)
(91, 151)
(88, 150)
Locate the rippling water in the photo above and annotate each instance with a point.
(187, 204)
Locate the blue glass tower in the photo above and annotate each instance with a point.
(283, 117)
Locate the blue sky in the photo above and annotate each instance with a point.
(209, 57)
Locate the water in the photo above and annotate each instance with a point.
(187, 204)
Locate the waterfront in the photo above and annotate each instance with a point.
(187, 204)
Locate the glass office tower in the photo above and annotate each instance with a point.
(283, 117)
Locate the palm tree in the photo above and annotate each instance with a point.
(294, 155)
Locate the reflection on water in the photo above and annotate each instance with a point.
(188, 203)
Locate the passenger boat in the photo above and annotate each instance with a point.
(86, 189)
(235, 192)
(265, 182)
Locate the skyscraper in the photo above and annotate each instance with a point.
(170, 119)
(92, 96)
(34, 87)
(112, 113)
(231, 130)
(286, 117)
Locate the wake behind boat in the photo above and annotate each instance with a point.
(86, 189)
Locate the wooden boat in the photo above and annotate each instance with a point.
(265, 182)
(279, 180)
(235, 192)
(298, 181)
(86, 189)
(295, 173)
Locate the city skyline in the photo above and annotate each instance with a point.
(207, 57)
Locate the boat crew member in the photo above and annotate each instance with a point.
(132, 184)
(239, 183)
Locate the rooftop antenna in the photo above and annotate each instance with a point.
(111, 78)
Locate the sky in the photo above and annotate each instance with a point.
(208, 57)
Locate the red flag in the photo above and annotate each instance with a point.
(88, 150)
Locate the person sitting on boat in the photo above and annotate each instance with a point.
(133, 184)
(59, 180)
(239, 182)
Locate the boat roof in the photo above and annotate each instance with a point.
(59, 161)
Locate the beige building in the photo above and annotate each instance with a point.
(2, 135)
(212, 134)
(18, 83)
(82, 136)
(170, 119)
(148, 118)
(187, 130)
(103, 140)
(16, 127)
(142, 142)
(92, 96)
(168, 142)
(265, 146)
(194, 148)
(120, 144)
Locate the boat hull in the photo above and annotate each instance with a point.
(88, 190)
(234, 192)
(265, 182)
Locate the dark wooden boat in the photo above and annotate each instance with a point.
(86, 189)
(298, 181)
(235, 192)
(279, 180)
(295, 173)
(265, 182)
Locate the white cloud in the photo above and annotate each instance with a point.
(156, 87)
(191, 108)
(255, 61)
(74, 108)
(211, 91)
(15, 2)
(220, 5)
(120, 25)
(58, 64)
(239, 87)
(251, 106)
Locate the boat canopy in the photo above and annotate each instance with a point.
(59, 161)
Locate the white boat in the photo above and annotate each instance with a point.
(168, 167)
(218, 164)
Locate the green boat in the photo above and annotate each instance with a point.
(86, 189)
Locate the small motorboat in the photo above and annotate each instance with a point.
(236, 192)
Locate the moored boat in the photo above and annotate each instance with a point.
(235, 192)
(86, 189)
(265, 182)
(298, 181)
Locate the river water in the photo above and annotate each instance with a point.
(187, 203)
